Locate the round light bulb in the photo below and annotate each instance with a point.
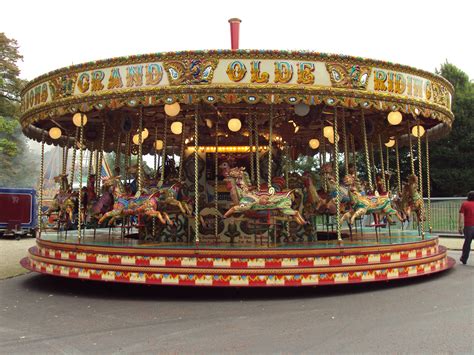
(173, 109)
(158, 144)
(177, 127)
(418, 130)
(314, 143)
(234, 124)
(301, 109)
(145, 134)
(55, 133)
(328, 131)
(394, 118)
(390, 143)
(76, 119)
(136, 139)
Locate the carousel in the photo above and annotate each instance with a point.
(209, 180)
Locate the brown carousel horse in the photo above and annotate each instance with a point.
(64, 201)
(411, 199)
(256, 201)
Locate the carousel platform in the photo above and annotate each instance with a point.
(364, 257)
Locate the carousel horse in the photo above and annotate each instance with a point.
(411, 199)
(362, 205)
(329, 195)
(168, 196)
(258, 201)
(127, 205)
(105, 202)
(64, 200)
(312, 202)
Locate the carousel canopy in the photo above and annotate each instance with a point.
(236, 89)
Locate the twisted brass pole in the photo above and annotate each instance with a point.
(366, 150)
(338, 197)
(41, 183)
(196, 177)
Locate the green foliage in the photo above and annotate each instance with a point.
(452, 158)
(18, 166)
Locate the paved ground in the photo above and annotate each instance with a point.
(48, 315)
(11, 251)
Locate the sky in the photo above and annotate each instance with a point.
(424, 34)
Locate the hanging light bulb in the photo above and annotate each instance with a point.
(177, 127)
(301, 109)
(158, 144)
(314, 143)
(145, 134)
(173, 109)
(390, 143)
(328, 131)
(77, 118)
(394, 118)
(55, 133)
(136, 139)
(234, 124)
(418, 130)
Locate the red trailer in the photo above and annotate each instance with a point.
(17, 212)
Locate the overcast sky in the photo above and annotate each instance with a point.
(424, 34)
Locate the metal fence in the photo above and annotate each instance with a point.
(444, 213)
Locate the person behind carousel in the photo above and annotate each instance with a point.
(466, 220)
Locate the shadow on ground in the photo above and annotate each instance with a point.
(120, 291)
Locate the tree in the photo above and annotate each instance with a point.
(452, 158)
(18, 166)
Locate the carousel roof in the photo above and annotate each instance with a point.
(299, 90)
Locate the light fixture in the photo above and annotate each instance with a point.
(314, 143)
(297, 128)
(145, 134)
(390, 143)
(55, 133)
(173, 109)
(177, 127)
(418, 131)
(301, 109)
(136, 139)
(209, 123)
(76, 119)
(394, 118)
(328, 131)
(158, 144)
(234, 124)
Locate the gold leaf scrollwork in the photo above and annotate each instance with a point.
(348, 75)
(190, 71)
(62, 86)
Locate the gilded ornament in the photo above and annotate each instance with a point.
(62, 86)
(190, 71)
(305, 73)
(283, 72)
(257, 76)
(348, 75)
(236, 71)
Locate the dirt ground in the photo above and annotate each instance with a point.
(12, 251)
